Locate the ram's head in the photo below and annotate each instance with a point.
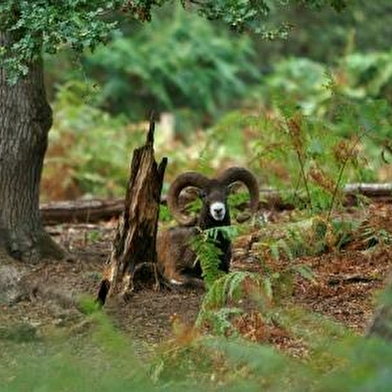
(213, 193)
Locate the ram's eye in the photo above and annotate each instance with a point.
(203, 194)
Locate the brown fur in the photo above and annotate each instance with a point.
(175, 256)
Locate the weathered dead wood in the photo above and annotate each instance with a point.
(351, 278)
(134, 243)
(89, 211)
(369, 189)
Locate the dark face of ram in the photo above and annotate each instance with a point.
(215, 211)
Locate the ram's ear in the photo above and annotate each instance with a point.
(202, 193)
(183, 181)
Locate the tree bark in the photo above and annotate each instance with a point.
(134, 245)
(25, 120)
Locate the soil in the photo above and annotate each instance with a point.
(344, 288)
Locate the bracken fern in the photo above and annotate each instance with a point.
(219, 302)
(205, 246)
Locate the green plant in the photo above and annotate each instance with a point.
(279, 282)
(164, 214)
(205, 246)
(367, 75)
(178, 61)
(104, 359)
(350, 101)
(88, 145)
(221, 300)
(301, 79)
(312, 156)
(94, 236)
(344, 231)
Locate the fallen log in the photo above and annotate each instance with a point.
(81, 211)
(95, 210)
(369, 190)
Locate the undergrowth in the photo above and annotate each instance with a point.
(223, 300)
(102, 359)
(311, 157)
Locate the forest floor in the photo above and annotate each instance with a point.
(344, 289)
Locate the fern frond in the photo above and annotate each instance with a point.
(228, 232)
(208, 253)
(208, 257)
(226, 289)
(219, 320)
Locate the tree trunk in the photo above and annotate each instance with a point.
(25, 120)
(134, 246)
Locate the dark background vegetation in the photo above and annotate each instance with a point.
(207, 77)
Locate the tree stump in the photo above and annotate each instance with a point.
(135, 239)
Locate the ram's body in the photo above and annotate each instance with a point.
(177, 261)
(176, 258)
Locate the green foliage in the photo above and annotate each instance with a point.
(374, 237)
(244, 14)
(177, 61)
(221, 300)
(99, 361)
(315, 87)
(105, 360)
(261, 364)
(313, 148)
(23, 332)
(164, 214)
(94, 236)
(312, 155)
(324, 35)
(305, 237)
(300, 239)
(315, 159)
(83, 25)
(51, 25)
(367, 369)
(205, 246)
(368, 75)
(252, 14)
(94, 147)
(344, 231)
(325, 127)
(301, 79)
(283, 248)
(236, 202)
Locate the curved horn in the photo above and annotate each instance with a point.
(233, 174)
(182, 181)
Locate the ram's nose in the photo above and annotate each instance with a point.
(218, 211)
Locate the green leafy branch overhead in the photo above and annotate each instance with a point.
(178, 61)
(51, 25)
(83, 24)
